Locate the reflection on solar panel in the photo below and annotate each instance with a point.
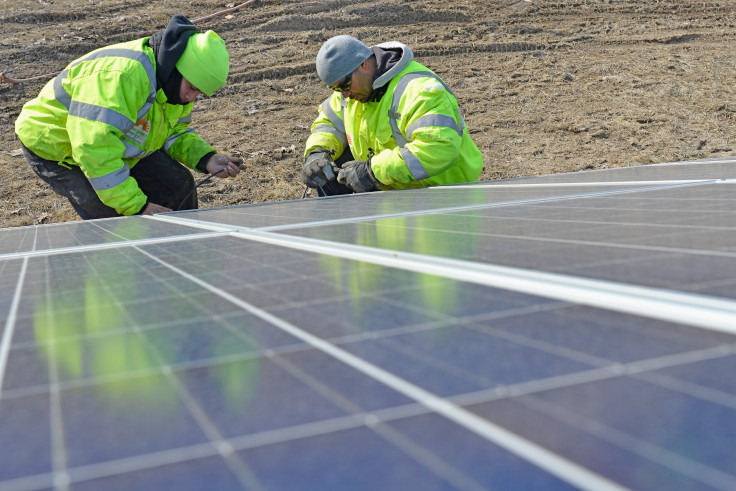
(567, 331)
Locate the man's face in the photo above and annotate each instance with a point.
(361, 84)
(188, 92)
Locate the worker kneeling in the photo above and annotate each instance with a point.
(108, 133)
(391, 124)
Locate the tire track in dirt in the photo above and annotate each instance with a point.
(360, 17)
(315, 20)
(79, 13)
(31, 39)
(282, 72)
(650, 9)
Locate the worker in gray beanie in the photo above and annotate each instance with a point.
(339, 56)
(391, 123)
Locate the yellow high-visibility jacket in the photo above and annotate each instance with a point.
(103, 114)
(415, 132)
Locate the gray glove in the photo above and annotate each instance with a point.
(318, 168)
(358, 176)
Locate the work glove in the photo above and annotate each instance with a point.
(358, 176)
(318, 168)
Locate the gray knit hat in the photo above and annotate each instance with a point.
(339, 56)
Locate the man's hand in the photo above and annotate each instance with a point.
(152, 208)
(318, 168)
(224, 166)
(358, 176)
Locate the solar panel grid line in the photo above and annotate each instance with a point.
(425, 359)
(59, 459)
(607, 223)
(9, 330)
(569, 353)
(509, 391)
(189, 453)
(641, 369)
(675, 462)
(19, 393)
(106, 245)
(75, 479)
(133, 374)
(512, 391)
(645, 198)
(675, 368)
(113, 332)
(688, 163)
(640, 247)
(233, 461)
(249, 441)
(290, 349)
(566, 470)
(90, 472)
(648, 184)
(423, 327)
(449, 209)
(541, 384)
(384, 415)
(607, 369)
(35, 482)
(431, 463)
(714, 396)
(692, 309)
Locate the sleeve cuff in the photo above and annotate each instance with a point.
(140, 212)
(202, 164)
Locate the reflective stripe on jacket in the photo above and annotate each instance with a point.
(103, 114)
(415, 130)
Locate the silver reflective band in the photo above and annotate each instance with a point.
(429, 120)
(418, 172)
(60, 93)
(101, 114)
(64, 98)
(172, 139)
(110, 180)
(185, 119)
(415, 166)
(336, 121)
(131, 151)
(326, 128)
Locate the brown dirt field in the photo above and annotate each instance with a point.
(545, 86)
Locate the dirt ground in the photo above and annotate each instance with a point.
(545, 86)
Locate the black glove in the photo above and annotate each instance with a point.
(358, 176)
(318, 168)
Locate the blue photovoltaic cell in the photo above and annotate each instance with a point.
(105, 231)
(205, 473)
(653, 419)
(227, 349)
(25, 437)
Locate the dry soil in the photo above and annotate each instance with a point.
(545, 86)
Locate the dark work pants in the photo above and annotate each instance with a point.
(162, 179)
(333, 188)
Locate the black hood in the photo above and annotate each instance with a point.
(168, 45)
(385, 60)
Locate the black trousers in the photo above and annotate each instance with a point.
(163, 180)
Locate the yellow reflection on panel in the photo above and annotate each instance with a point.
(85, 325)
(420, 234)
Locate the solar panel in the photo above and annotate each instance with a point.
(553, 332)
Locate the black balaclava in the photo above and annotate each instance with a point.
(168, 45)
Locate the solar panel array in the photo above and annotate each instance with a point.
(554, 332)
